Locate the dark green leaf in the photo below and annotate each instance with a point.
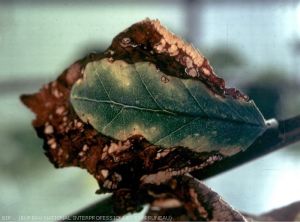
(120, 99)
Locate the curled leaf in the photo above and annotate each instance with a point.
(146, 68)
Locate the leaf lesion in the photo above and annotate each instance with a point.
(82, 144)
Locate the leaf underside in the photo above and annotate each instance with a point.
(120, 100)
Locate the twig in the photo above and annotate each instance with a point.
(285, 213)
(103, 208)
(190, 200)
(287, 132)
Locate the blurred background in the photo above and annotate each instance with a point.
(254, 45)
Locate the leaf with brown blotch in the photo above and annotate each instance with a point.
(72, 138)
(120, 99)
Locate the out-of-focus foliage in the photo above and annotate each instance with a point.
(274, 93)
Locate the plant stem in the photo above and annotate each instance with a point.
(103, 208)
(286, 133)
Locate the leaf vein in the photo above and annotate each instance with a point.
(122, 105)
(193, 96)
(178, 129)
(110, 122)
(97, 74)
(145, 86)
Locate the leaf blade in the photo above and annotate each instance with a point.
(176, 112)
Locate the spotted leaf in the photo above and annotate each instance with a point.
(120, 100)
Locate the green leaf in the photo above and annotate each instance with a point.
(120, 100)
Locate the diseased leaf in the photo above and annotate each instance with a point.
(147, 83)
(165, 63)
(120, 100)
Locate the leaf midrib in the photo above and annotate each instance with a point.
(162, 111)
